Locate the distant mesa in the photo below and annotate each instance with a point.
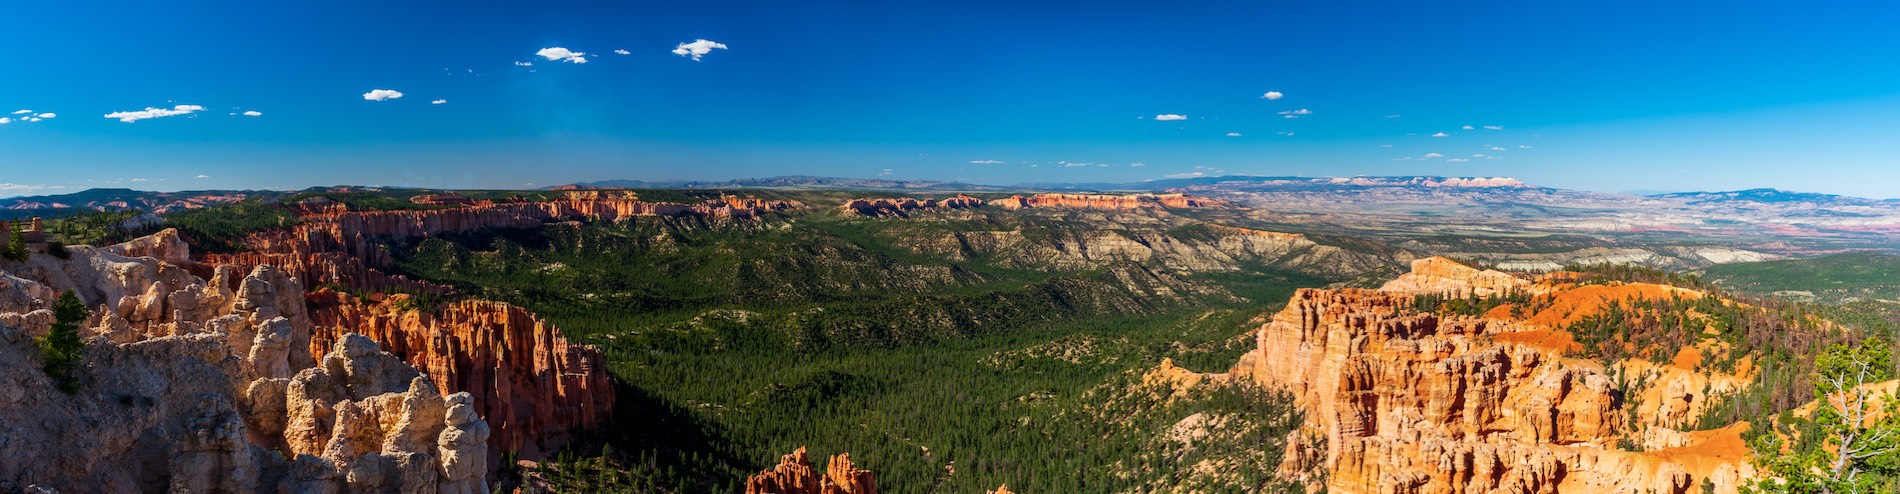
(1095, 201)
(903, 206)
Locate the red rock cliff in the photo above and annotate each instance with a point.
(1098, 201)
(1401, 401)
(532, 385)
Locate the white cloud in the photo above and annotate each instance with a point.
(1433, 155)
(438, 102)
(1494, 127)
(886, 171)
(985, 162)
(1479, 156)
(1187, 175)
(698, 48)
(1467, 127)
(1137, 164)
(5, 120)
(22, 112)
(1271, 95)
(1301, 111)
(1290, 116)
(382, 94)
(1066, 164)
(253, 113)
(30, 119)
(1385, 145)
(1523, 147)
(141, 180)
(1495, 148)
(1233, 134)
(1391, 116)
(525, 64)
(1170, 116)
(1285, 133)
(622, 52)
(48, 115)
(562, 54)
(149, 112)
(1440, 134)
(202, 176)
(1457, 160)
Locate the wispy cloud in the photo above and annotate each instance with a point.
(562, 54)
(253, 113)
(1495, 148)
(1233, 134)
(1392, 116)
(1285, 133)
(1467, 127)
(46, 115)
(1523, 146)
(1187, 175)
(13, 189)
(985, 162)
(150, 112)
(524, 64)
(1137, 164)
(382, 94)
(622, 52)
(1494, 127)
(5, 120)
(438, 102)
(1272, 95)
(1457, 160)
(698, 48)
(202, 176)
(1440, 134)
(1170, 116)
(22, 112)
(1433, 155)
(1301, 111)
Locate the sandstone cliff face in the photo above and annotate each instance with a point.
(903, 206)
(519, 371)
(1223, 249)
(1400, 401)
(1447, 277)
(187, 385)
(794, 474)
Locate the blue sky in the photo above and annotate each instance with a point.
(1611, 96)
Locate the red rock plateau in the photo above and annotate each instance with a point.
(794, 474)
(531, 383)
(903, 206)
(1402, 401)
(1095, 201)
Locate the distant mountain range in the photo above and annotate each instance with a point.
(123, 199)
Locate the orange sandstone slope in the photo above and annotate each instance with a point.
(1402, 401)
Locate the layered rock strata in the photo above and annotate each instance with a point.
(1402, 401)
(903, 206)
(532, 384)
(189, 385)
(795, 474)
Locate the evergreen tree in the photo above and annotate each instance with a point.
(62, 347)
(1860, 448)
(16, 247)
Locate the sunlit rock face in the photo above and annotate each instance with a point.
(194, 385)
(1402, 401)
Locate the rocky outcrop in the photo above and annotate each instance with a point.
(794, 474)
(1098, 201)
(189, 385)
(903, 206)
(531, 384)
(1402, 401)
(1443, 276)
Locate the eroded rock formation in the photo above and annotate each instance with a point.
(794, 474)
(530, 383)
(189, 385)
(1402, 401)
(903, 206)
